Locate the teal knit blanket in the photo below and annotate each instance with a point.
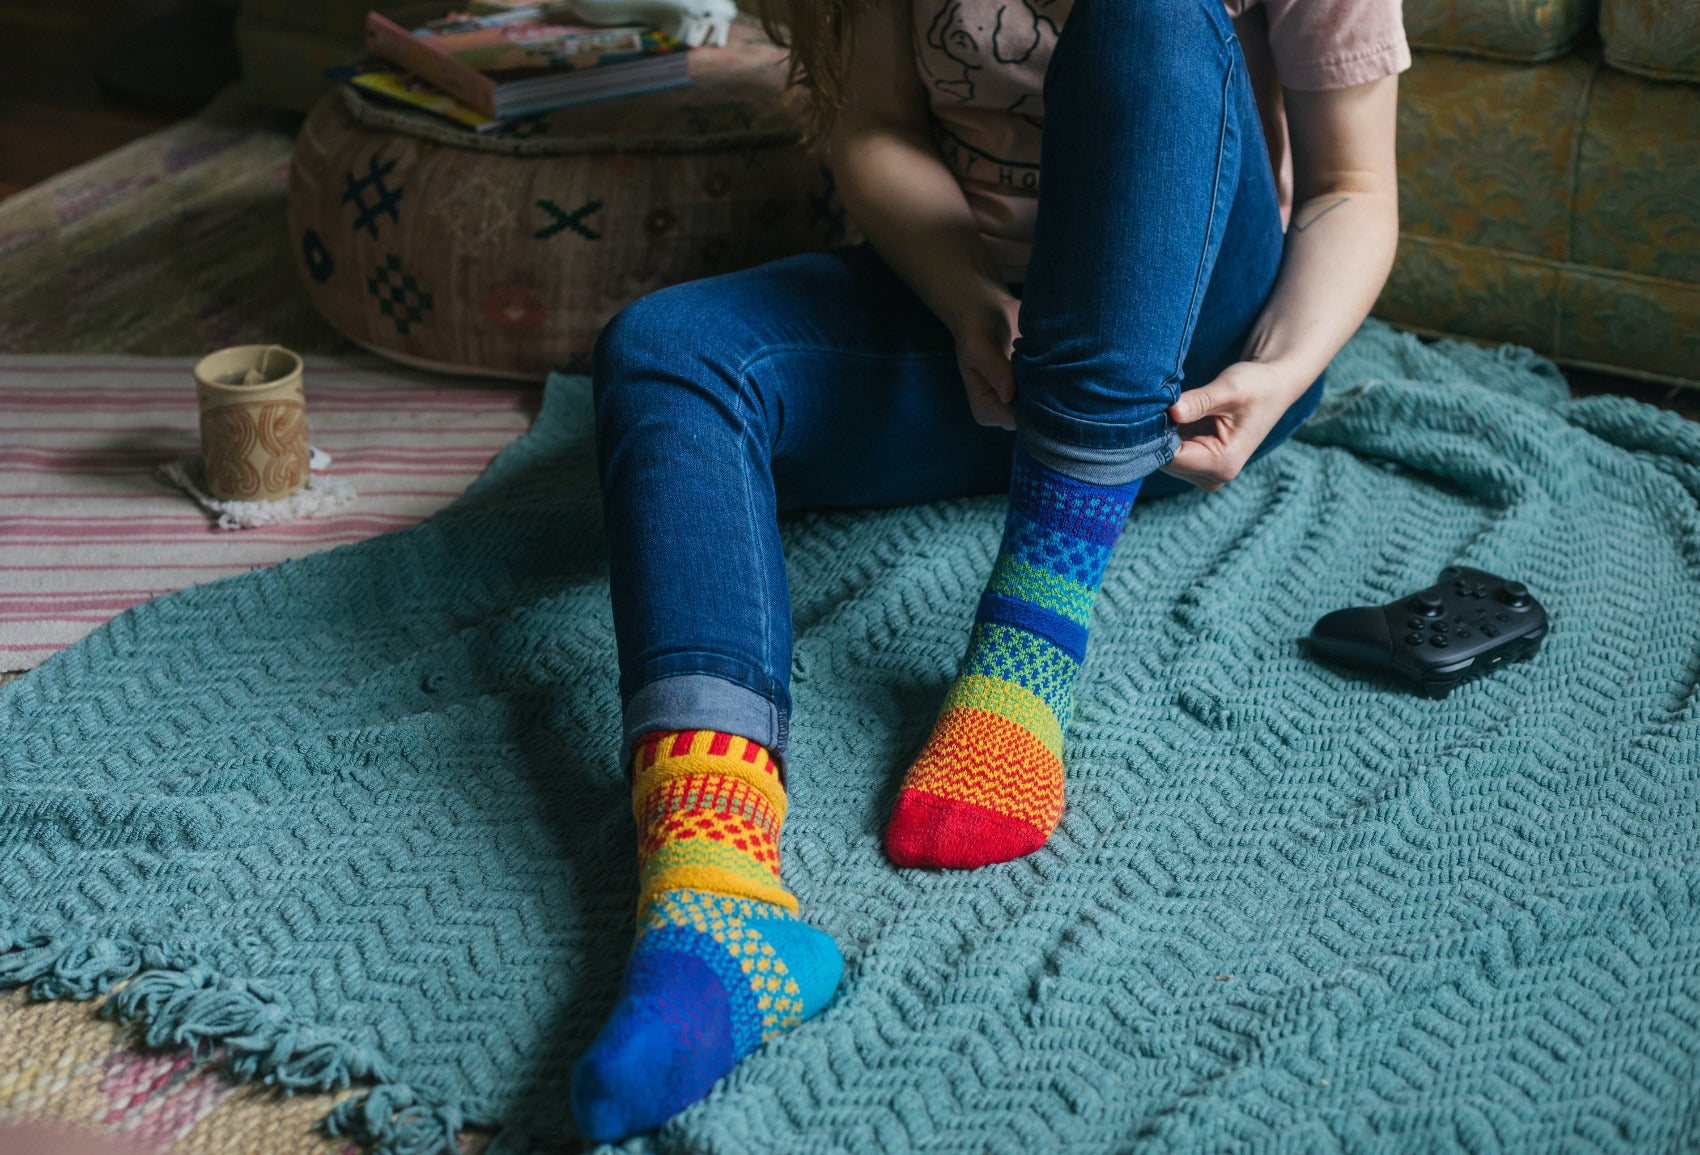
(358, 818)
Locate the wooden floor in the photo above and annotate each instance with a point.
(52, 114)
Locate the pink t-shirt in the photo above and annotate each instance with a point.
(983, 62)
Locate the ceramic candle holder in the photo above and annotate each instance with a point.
(253, 422)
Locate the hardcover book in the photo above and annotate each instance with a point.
(512, 64)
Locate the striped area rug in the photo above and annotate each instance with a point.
(87, 529)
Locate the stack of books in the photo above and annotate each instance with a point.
(500, 61)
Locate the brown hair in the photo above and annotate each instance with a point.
(819, 35)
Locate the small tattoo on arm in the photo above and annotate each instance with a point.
(1322, 211)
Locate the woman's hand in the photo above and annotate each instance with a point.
(985, 338)
(1339, 247)
(1222, 424)
(884, 153)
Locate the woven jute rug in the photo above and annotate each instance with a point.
(72, 1075)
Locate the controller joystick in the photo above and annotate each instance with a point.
(1468, 622)
(1427, 603)
(1514, 594)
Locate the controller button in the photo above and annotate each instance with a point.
(1462, 632)
(1501, 618)
(1491, 630)
(1428, 602)
(1439, 640)
(1514, 594)
(1441, 627)
(1416, 623)
(1413, 639)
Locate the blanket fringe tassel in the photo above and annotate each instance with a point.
(248, 1026)
(392, 1119)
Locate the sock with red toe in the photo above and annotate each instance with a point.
(988, 786)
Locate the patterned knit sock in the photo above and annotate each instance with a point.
(988, 786)
(721, 964)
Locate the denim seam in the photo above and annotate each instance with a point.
(1199, 281)
(1221, 21)
(746, 403)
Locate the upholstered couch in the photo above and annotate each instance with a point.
(1549, 171)
(1549, 161)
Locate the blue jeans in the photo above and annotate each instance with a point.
(822, 380)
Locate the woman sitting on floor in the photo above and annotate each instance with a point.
(1147, 313)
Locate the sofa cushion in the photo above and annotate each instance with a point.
(1638, 179)
(1485, 150)
(1645, 327)
(1657, 38)
(1527, 30)
(506, 254)
(1553, 206)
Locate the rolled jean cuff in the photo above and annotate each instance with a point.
(1092, 451)
(704, 702)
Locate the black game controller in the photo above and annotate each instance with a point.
(1467, 622)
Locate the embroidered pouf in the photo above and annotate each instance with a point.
(506, 252)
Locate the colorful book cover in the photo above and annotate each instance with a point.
(506, 67)
(536, 46)
(392, 84)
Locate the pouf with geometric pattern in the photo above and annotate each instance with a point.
(505, 253)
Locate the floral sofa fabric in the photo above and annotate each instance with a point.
(1525, 30)
(1547, 195)
(1656, 38)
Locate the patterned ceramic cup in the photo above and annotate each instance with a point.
(253, 422)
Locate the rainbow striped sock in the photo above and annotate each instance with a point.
(721, 963)
(988, 786)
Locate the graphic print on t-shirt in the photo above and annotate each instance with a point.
(966, 42)
(983, 65)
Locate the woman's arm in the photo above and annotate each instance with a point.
(899, 191)
(1339, 250)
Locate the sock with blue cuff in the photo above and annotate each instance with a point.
(988, 786)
